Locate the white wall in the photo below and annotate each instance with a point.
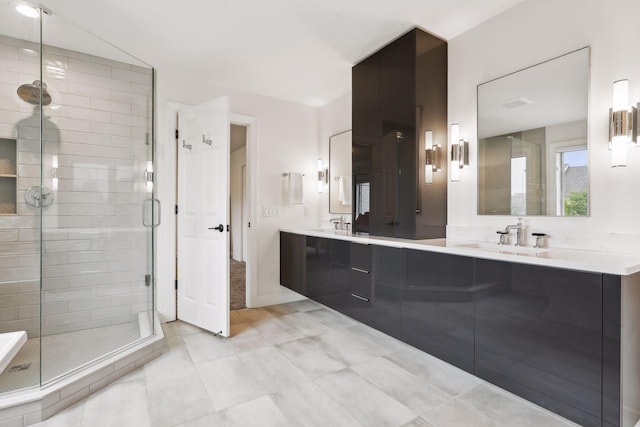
(531, 32)
(287, 140)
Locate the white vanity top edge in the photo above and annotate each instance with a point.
(572, 259)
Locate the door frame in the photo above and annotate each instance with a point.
(167, 179)
(250, 123)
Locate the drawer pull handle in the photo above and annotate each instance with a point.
(360, 297)
(359, 270)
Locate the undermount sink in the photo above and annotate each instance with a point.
(342, 232)
(503, 249)
(332, 231)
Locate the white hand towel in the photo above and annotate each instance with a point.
(344, 190)
(341, 189)
(295, 188)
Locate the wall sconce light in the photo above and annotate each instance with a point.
(54, 173)
(623, 126)
(432, 157)
(323, 176)
(149, 176)
(459, 152)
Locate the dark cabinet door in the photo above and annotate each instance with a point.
(361, 284)
(431, 99)
(389, 276)
(358, 303)
(399, 92)
(438, 306)
(318, 269)
(611, 350)
(367, 131)
(398, 154)
(539, 335)
(292, 260)
(383, 191)
(340, 282)
(366, 122)
(397, 83)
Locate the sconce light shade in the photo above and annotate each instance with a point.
(455, 153)
(459, 153)
(323, 176)
(623, 127)
(432, 157)
(463, 153)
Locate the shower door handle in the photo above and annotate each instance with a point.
(151, 210)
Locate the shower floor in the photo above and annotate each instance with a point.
(62, 353)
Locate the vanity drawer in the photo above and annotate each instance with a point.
(361, 256)
(361, 282)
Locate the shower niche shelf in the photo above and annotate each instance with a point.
(8, 177)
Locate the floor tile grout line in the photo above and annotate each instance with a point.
(458, 398)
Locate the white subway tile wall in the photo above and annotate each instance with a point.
(94, 245)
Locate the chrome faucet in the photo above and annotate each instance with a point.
(520, 239)
(338, 223)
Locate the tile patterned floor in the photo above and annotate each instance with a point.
(64, 352)
(298, 364)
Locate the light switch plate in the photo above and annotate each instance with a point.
(270, 211)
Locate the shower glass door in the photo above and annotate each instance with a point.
(77, 209)
(97, 226)
(19, 223)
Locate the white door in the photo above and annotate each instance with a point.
(203, 216)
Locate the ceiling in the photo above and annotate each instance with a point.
(547, 94)
(287, 49)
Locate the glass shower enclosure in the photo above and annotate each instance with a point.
(77, 211)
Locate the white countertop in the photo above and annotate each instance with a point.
(598, 262)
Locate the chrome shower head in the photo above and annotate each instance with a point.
(31, 93)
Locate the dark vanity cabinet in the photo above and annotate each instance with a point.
(389, 276)
(318, 283)
(550, 335)
(539, 334)
(438, 306)
(399, 93)
(292, 262)
(336, 273)
(340, 286)
(357, 297)
(611, 349)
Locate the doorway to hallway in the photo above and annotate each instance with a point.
(238, 215)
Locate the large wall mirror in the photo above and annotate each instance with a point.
(532, 140)
(340, 173)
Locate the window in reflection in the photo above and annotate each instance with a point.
(572, 182)
(519, 186)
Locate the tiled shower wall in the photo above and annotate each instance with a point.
(94, 244)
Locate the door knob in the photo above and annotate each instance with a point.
(220, 228)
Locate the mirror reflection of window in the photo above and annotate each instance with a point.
(519, 186)
(573, 181)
